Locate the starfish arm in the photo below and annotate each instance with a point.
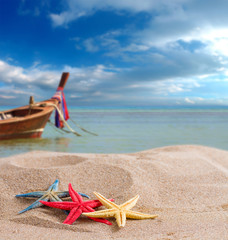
(139, 215)
(130, 203)
(60, 205)
(102, 213)
(120, 218)
(102, 220)
(62, 194)
(54, 186)
(74, 195)
(65, 194)
(107, 203)
(73, 215)
(88, 209)
(54, 198)
(36, 204)
(84, 195)
(92, 203)
(32, 194)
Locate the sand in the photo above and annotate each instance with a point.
(186, 186)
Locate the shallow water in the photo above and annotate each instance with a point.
(129, 130)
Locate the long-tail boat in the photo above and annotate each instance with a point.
(29, 121)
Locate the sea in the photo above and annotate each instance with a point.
(129, 130)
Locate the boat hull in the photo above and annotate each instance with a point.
(21, 135)
(28, 123)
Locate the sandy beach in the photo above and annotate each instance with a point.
(186, 186)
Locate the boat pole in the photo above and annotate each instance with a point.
(63, 81)
(31, 103)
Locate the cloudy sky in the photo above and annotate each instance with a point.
(118, 52)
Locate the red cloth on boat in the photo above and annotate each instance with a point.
(62, 106)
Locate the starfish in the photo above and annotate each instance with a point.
(52, 194)
(120, 212)
(77, 207)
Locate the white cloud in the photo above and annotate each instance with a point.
(65, 17)
(101, 85)
(90, 45)
(200, 98)
(188, 100)
(171, 87)
(74, 96)
(19, 83)
(79, 8)
(171, 22)
(7, 97)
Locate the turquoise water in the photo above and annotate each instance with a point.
(130, 130)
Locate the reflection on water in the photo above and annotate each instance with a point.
(129, 131)
(11, 147)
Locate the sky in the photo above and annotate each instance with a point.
(119, 53)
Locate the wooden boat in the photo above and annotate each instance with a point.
(29, 121)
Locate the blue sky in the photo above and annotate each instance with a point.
(118, 53)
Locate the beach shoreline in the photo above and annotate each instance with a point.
(185, 185)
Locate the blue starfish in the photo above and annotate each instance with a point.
(52, 195)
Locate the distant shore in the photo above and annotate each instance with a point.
(186, 186)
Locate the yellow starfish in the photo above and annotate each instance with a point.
(120, 212)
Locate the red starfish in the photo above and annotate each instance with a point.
(77, 207)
